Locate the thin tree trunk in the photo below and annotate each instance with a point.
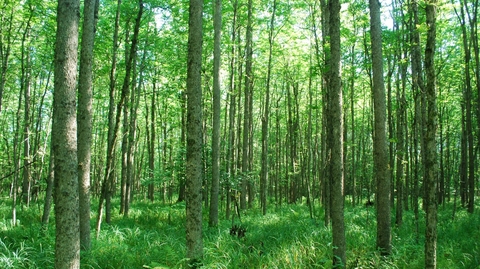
(431, 167)
(109, 172)
(150, 129)
(474, 43)
(107, 186)
(380, 159)
(418, 92)
(5, 45)
(467, 92)
(326, 156)
(25, 85)
(400, 175)
(132, 131)
(217, 24)
(231, 156)
(183, 140)
(265, 119)
(246, 109)
(84, 120)
(16, 161)
(124, 155)
(48, 192)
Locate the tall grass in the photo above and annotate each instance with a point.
(153, 236)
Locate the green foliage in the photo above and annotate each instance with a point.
(154, 237)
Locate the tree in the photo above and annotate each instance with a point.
(64, 136)
(25, 83)
(6, 22)
(107, 186)
(382, 174)
(334, 137)
(266, 114)
(109, 173)
(468, 132)
(431, 171)
(84, 118)
(230, 155)
(217, 24)
(194, 162)
(247, 110)
(418, 92)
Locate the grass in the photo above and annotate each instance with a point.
(153, 236)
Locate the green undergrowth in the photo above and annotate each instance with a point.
(153, 236)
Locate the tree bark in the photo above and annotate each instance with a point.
(231, 156)
(151, 136)
(25, 85)
(247, 110)
(418, 92)
(472, 18)
(49, 191)
(325, 80)
(194, 241)
(265, 118)
(335, 134)
(84, 120)
(64, 136)
(431, 167)
(5, 45)
(217, 24)
(467, 93)
(380, 158)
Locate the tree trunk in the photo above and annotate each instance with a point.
(132, 131)
(109, 171)
(183, 134)
(84, 119)
(335, 134)
(418, 92)
(265, 118)
(472, 18)
(26, 88)
(5, 45)
(325, 124)
(380, 158)
(231, 156)
(431, 168)
(401, 135)
(151, 134)
(16, 161)
(217, 24)
(467, 93)
(247, 110)
(49, 191)
(194, 165)
(64, 136)
(107, 186)
(124, 155)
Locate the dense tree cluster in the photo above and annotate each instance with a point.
(281, 118)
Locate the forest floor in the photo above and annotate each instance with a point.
(153, 236)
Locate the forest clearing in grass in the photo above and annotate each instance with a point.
(153, 236)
